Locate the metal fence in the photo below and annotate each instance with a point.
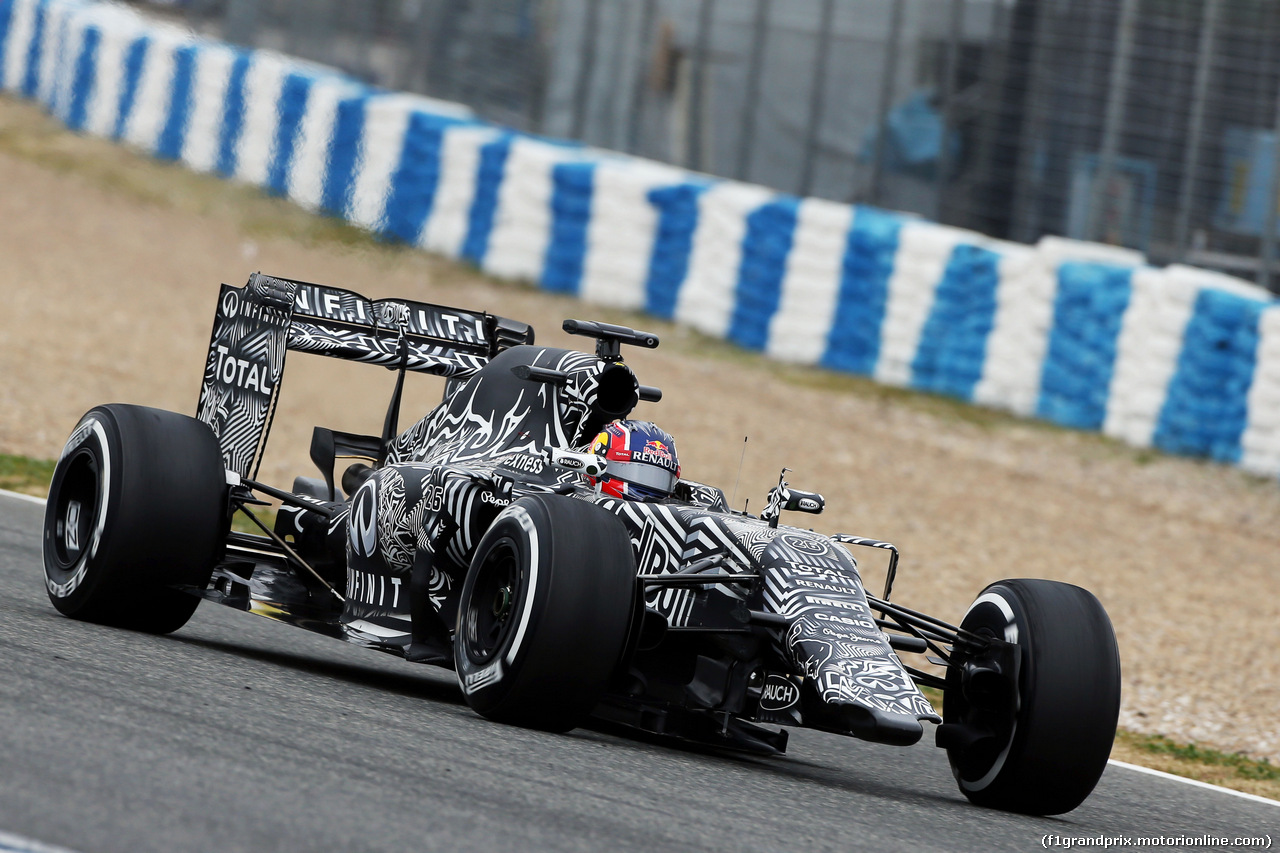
(1146, 123)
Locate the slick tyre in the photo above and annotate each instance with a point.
(1053, 739)
(544, 612)
(137, 505)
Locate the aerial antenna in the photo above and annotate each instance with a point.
(738, 479)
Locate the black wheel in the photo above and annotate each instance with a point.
(1040, 747)
(137, 505)
(544, 612)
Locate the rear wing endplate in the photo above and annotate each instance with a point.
(256, 325)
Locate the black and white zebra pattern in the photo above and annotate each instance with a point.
(370, 348)
(833, 638)
(239, 412)
(459, 431)
(454, 327)
(484, 446)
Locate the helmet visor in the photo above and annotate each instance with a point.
(643, 474)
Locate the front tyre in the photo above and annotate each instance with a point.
(1037, 746)
(544, 612)
(137, 505)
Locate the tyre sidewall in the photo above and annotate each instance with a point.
(486, 684)
(95, 440)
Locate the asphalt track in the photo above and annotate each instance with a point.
(237, 733)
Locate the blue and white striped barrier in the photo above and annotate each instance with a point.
(1080, 334)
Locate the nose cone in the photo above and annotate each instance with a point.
(863, 721)
(881, 726)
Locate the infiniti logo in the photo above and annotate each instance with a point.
(363, 523)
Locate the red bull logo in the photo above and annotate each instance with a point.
(657, 448)
(658, 453)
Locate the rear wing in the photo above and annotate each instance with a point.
(256, 326)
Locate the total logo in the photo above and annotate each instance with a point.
(780, 693)
(243, 373)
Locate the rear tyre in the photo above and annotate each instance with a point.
(137, 505)
(1047, 746)
(544, 612)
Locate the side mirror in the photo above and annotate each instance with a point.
(583, 463)
(810, 502)
(783, 497)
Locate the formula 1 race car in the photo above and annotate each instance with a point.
(528, 536)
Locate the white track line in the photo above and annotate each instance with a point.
(16, 843)
(20, 496)
(1126, 765)
(1140, 769)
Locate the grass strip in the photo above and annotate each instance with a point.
(28, 476)
(1233, 770)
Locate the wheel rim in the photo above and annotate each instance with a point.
(977, 766)
(76, 507)
(492, 605)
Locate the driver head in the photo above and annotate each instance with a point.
(641, 461)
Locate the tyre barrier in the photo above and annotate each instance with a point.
(1081, 334)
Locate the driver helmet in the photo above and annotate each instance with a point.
(641, 462)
